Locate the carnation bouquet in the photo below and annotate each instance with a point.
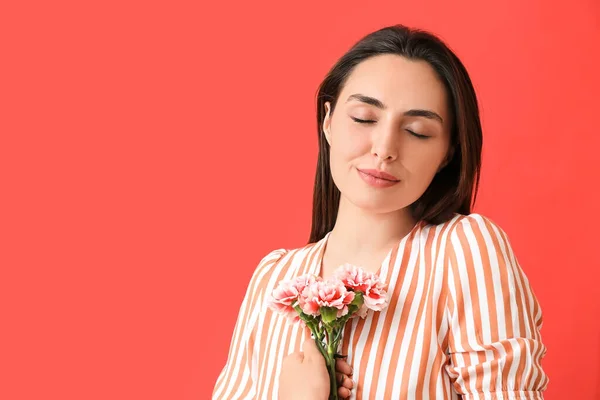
(324, 306)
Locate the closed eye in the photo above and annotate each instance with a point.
(368, 121)
(417, 134)
(363, 121)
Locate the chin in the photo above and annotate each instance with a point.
(374, 204)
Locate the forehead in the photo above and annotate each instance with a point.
(399, 83)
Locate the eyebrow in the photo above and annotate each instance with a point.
(410, 113)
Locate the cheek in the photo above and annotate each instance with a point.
(348, 146)
(350, 142)
(423, 165)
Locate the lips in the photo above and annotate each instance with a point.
(380, 174)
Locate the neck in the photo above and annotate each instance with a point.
(361, 232)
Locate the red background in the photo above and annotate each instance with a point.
(152, 152)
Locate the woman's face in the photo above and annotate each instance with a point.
(401, 99)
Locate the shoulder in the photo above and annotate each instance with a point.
(279, 258)
(272, 257)
(265, 267)
(465, 229)
(479, 243)
(269, 262)
(276, 256)
(472, 235)
(278, 262)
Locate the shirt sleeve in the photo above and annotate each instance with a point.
(237, 379)
(494, 343)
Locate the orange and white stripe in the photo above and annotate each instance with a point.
(463, 322)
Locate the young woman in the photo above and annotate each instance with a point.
(398, 168)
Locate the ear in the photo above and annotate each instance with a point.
(447, 159)
(327, 122)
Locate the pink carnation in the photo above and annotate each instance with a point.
(286, 294)
(376, 297)
(373, 289)
(362, 311)
(303, 281)
(325, 294)
(354, 278)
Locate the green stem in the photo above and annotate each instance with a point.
(331, 350)
(318, 339)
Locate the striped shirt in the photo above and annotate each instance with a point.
(462, 322)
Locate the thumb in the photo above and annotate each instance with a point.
(307, 333)
(310, 347)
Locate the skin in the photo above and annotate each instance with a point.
(370, 220)
(304, 374)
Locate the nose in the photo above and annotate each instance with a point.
(385, 144)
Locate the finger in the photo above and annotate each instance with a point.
(344, 380)
(344, 393)
(311, 351)
(307, 333)
(348, 383)
(343, 367)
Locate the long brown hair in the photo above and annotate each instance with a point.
(454, 188)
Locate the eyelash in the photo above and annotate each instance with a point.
(365, 121)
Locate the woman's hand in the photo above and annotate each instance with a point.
(304, 374)
(344, 378)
